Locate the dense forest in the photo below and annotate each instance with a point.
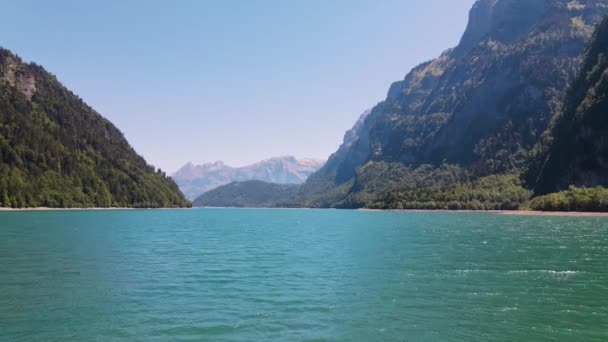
(573, 199)
(251, 194)
(381, 185)
(56, 151)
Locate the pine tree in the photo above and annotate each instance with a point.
(6, 200)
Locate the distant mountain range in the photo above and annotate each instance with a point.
(195, 180)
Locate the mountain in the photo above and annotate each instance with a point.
(248, 194)
(478, 110)
(56, 151)
(578, 151)
(195, 180)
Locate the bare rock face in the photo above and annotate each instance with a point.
(353, 134)
(578, 153)
(513, 18)
(480, 23)
(26, 85)
(504, 20)
(12, 72)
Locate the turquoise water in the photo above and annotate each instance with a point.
(297, 275)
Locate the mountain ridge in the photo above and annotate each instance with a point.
(57, 151)
(481, 106)
(195, 180)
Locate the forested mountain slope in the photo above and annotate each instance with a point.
(56, 151)
(248, 194)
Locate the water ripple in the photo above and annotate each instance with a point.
(301, 275)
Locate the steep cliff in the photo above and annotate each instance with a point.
(482, 105)
(578, 153)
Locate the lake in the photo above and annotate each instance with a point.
(301, 275)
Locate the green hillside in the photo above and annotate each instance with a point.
(56, 151)
(248, 194)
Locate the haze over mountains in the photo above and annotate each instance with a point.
(195, 180)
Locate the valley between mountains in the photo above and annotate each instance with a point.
(514, 116)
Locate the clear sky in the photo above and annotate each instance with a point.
(231, 80)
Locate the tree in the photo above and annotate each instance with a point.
(6, 202)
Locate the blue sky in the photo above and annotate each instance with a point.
(231, 80)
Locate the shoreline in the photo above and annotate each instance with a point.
(553, 213)
(428, 211)
(500, 212)
(2, 209)
(61, 209)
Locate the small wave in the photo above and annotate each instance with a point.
(563, 272)
(517, 272)
(484, 294)
(469, 271)
(552, 272)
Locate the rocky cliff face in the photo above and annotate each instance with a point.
(483, 104)
(578, 153)
(18, 77)
(504, 20)
(195, 180)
